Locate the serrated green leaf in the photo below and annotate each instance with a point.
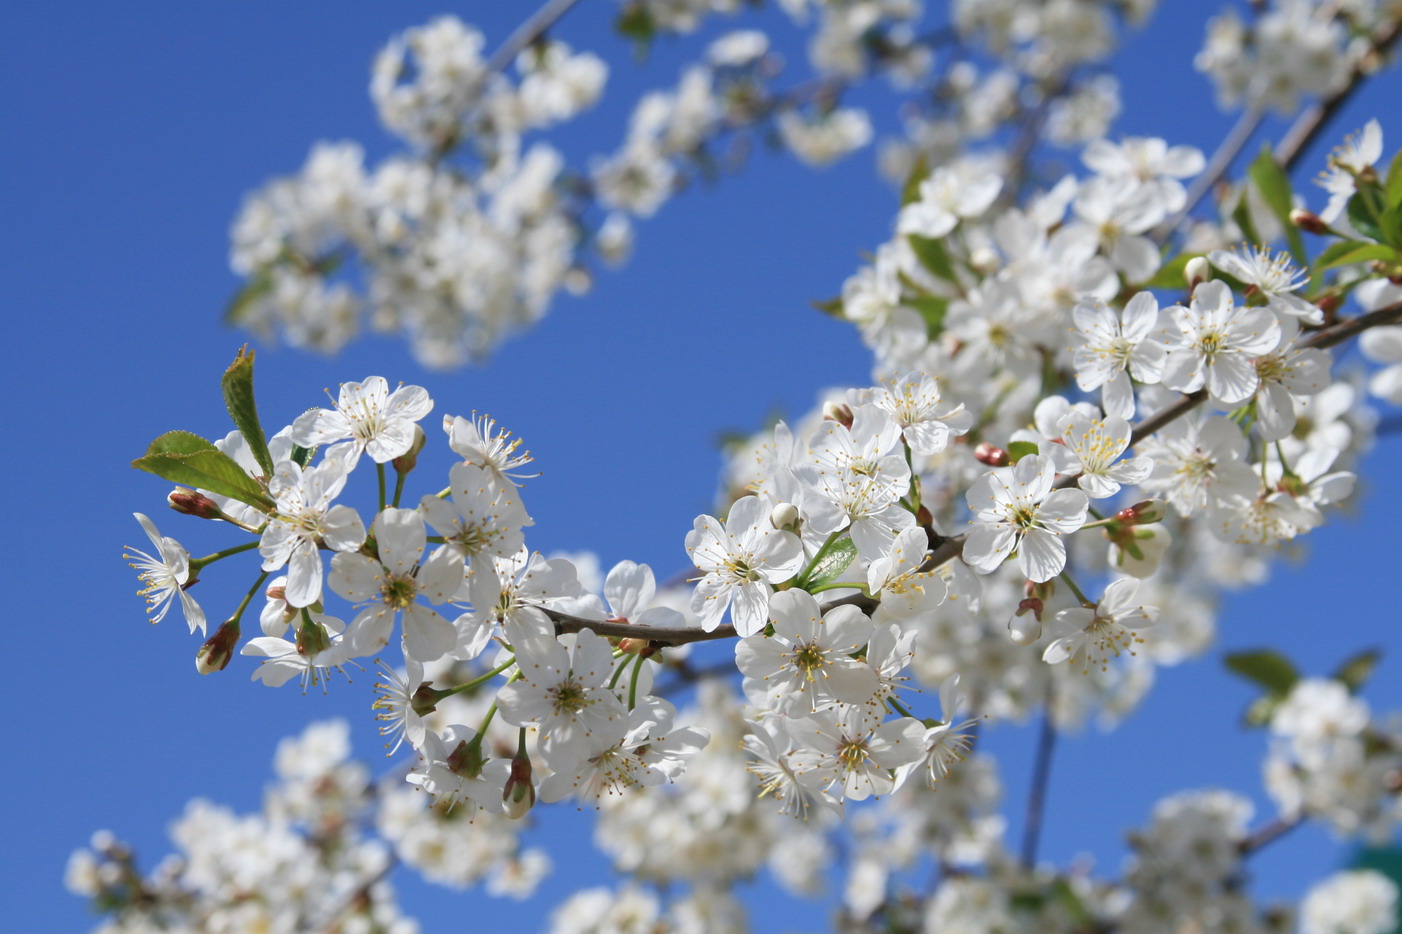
(932, 256)
(177, 456)
(1265, 667)
(1020, 449)
(1358, 253)
(910, 191)
(932, 308)
(1170, 274)
(238, 398)
(832, 306)
(179, 442)
(1362, 219)
(1357, 669)
(1393, 188)
(832, 564)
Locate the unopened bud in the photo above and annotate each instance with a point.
(214, 655)
(631, 646)
(839, 412)
(985, 259)
(193, 503)
(1196, 272)
(410, 458)
(519, 794)
(1308, 221)
(1025, 627)
(1150, 510)
(990, 454)
(784, 516)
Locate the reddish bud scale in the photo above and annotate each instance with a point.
(214, 655)
(192, 503)
(1308, 221)
(991, 455)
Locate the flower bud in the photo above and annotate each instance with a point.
(519, 794)
(643, 647)
(985, 259)
(1196, 272)
(1308, 221)
(991, 455)
(214, 655)
(193, 503)
(784, 517)
(1150, 510)
(1025, 627)
(839, 412)
(1139, 550)
(410, 458)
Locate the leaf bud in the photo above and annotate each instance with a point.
(991, 454)
(1308, 221)
(194, 503)
(214, 655)
(410, 458)
(839, 412)
(518, 796)
(784, 517)
(1196, 272)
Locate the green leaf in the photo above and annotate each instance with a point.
(1265, 667)
(910, 191)
(832, 306)
(1020, 449)
(252, 291)
(1357, 669)
(1357, 253)
(635, 22)
(832, 564)
(1361, 217)
(1242, 216)
(238, 398)
(188, 459)
(1393, 189)
(1330, 254)
(932, 256)
(1170, 274)
(1273, 184)
(932, 308)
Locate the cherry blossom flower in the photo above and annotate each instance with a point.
(740, 561)
(1214, 342)
(368, 415)
(1097, 445)
(913, 402)
(164, 578)
(1017, 510)
(477, 441)
(807, 664)
(303, 521)
(1115, 347)
(849, 756)
(1089, 636)
(483, 516)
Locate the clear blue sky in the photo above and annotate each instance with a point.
(133, 131)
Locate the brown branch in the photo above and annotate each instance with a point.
(528, 32)
(1269, 833)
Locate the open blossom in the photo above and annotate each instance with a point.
(1285, 373)
(303, 521)
(482, 516)
(1115, 347)
(477, 441)
(1097, 445)
(1017, 510)
(741, 561)
(1197, 463)
(392, 584)
(850, 757)
(913, 402)
(1213, 342)
(367, 414)
(946, 743)
(164, 578)
(1090, 636)
(319, 647)
(1274, 275)
(1359, 151)
(808, 664)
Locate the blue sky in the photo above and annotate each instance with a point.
(132, 134)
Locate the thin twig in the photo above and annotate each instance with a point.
(1037, 795)
(528, 32)
(1227, 151)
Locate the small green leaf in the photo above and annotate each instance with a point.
(1357, 669)
(1358, 253)
(910, 191)
(832, 564)
(1242, 216)
(932, 256)
(1020, 449)
(635, 22)
(1393, 189)
(932, 308)
(1362, 219)
(302, 456)
(1329, 256)
(188, 459)
(1273, 184)
(238, 398)
(832, 306)
(1170, 274)
(1265, 667)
